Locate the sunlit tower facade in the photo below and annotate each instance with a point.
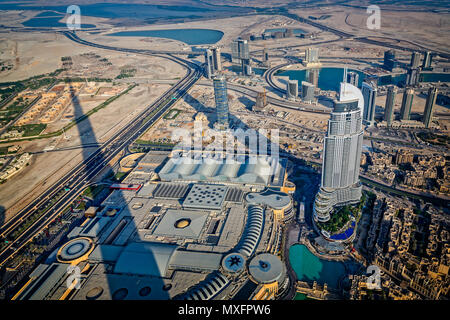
(353, 78)
(209, 63)
(216, 59)
(415, 60)
(221, 99)
(340, 183)
(407, 100)
(389, 107)
(426, 64)
(429, 106)
(369, 91)
(292, 89)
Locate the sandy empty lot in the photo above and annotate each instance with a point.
(46, 168)
(420, 27)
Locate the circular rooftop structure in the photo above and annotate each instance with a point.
(182, 223)
(275, 199)
(267, 268)
(76, 249)
(94, 293)
(233, 262)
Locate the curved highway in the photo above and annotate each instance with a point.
(74, 182)
(268, 75)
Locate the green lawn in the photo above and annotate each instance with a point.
(3, 150)
(342, 215)
(119, 176)
(30, 130)
(93, 191)
(172, 114)
(154, 143)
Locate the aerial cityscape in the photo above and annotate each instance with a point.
(224, 150)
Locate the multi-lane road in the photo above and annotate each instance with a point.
(73, 183)
(69, 187)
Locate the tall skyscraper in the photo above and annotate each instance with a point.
(261, 101)
(240, 53)
(427, 60)
(369, 92)
(209, 60)
(390, 104)
(405, 111)
(342, 154)
(240, 50)
(265, 55)
(311, 57)
(213, 62)
(412, 77)
(217, 59)
(353, 78)
(313, 76)
(390, 62)
(415, 60)
(221, 98)
(289, 33)
(308, 92)
(429, 106)
(292, 89)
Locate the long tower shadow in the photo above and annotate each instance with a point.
(113, 231)
(73, 259)
(117, 286)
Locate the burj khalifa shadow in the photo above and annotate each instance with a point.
(113, 285)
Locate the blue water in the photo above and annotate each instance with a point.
(50, 22)
(424, 77)
(310, 268)
(189, 36)
(385, 80)
(435, 77)
(344, 235)
(329, 78)
(135, 11)
(49, 14)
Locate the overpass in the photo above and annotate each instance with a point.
(53, 201)
(74, 37)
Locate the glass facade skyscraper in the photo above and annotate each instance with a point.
(427, 60)
(407, 100)
(415, 60)
(209, 60)
(213, 62)
(353, 78)
(369, 92)
(221, 98)
(389, 107)
(312, 55)
(240, 50)
(308, 92)
(292, 89)
(429, 106)
(342, 154)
